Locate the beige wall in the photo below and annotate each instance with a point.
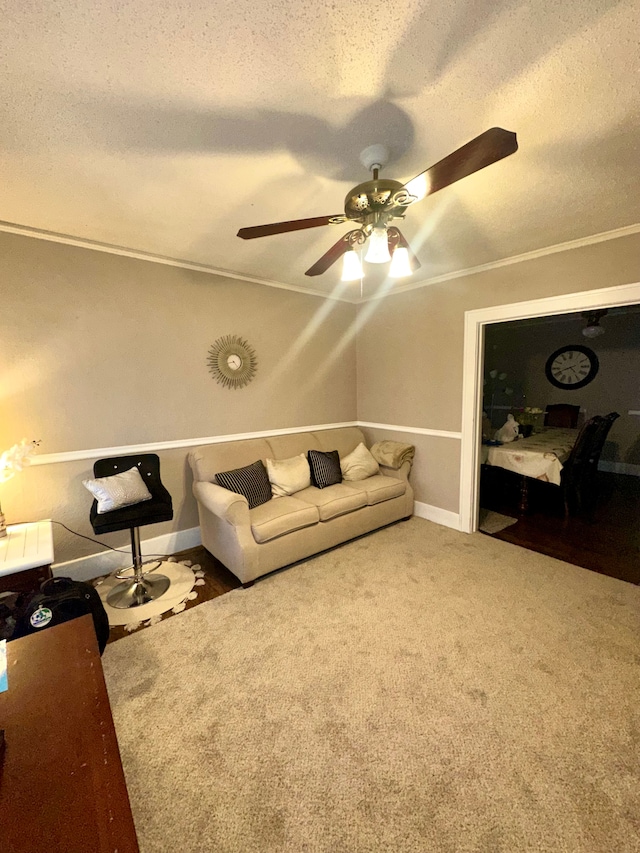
(99, 350)
(410, 347)
(525, 349)
(435, 475)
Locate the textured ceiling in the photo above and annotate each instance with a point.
(164, 127)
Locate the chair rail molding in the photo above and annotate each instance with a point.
(439, 433)
(154, 446)
(629, 468)
(473, 368)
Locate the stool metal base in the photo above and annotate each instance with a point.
(144, 568)
(141, 587)
(138, 591)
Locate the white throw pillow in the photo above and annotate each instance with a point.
(358, 465)
(288, 476)
(118, 490)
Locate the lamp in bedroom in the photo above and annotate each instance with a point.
(11, 462)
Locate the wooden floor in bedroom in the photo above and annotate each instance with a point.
(217, 581)
(606, 541)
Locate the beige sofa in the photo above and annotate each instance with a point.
(253, 542)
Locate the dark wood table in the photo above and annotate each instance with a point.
(62, 786)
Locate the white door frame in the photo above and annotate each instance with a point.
(473, 369)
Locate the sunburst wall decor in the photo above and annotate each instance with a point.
(232, 361)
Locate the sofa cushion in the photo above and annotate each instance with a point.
(252, 482)
(288, 476)
(325, 468)
(276, 518)
(206, 461)
(333, 500)
(343, 439)
(358, 465)
(379, 488)
(284, 446)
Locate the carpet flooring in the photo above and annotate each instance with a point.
(415, 691)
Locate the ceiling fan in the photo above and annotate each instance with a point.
(374, 205)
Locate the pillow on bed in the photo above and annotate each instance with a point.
(118, 490)
(251, 482)
(358, 465)
(288, 476)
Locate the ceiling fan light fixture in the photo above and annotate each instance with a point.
(418, 187)
(351, 266)
(378, 251)
(400, 264)
(593, 331)
(376, 203)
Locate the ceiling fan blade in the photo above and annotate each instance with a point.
(335, 253)
(283, 227)
(395, 239)
(488, 148)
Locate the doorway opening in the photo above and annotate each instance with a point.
(604, 540)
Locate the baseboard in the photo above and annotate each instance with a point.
(437, 515)
(619, 468)
(85, 568)
(94, 565)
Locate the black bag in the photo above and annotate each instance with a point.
(59, 600)
(10, 605)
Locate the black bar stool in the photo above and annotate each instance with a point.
(140, 587)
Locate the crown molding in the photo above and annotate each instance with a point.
(602, 237)
(152, 257)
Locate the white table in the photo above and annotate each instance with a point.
(27, 550)
(539, 457)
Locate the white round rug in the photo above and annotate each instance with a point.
(183, 578)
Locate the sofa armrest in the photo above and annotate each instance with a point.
(401, 473)
(228, 505)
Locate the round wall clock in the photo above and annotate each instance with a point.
(572, 367)
(232, 361)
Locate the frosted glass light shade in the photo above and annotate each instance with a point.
(593, 331)
(400, 266)
(351, 267)
(378, 251)
(419, 187)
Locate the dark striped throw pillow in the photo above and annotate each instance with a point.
(325, 468)
(252, 482)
